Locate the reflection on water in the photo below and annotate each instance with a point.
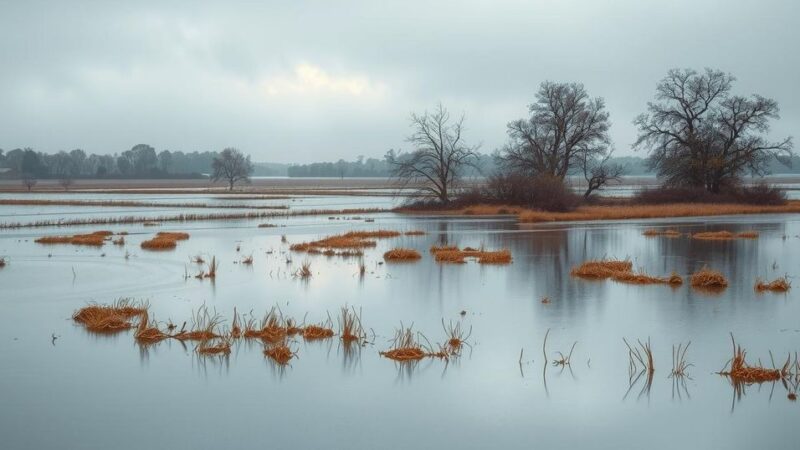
(503, 392)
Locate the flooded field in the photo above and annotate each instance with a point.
(63, 386)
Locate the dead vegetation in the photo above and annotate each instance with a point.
(621, 271)
(456, 336)
(455, 255)
(725, 235)
(781, 284)
(304, 272)
(740, 371)
(164, 240)
(680, 366)
(402, 254)
(210, 271)
(316, 332)
(350, 327)
(706, 278)
(640, 358)
(146, 333)
(279, 352)
(96, 239)
(671, 233)
(350, 240)
(111, 318)
(2, 261)
(218, 346)
(203, 327)
(406, 347)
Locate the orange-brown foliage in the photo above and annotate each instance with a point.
(650, 232)
(280, 353)
(777, 285)
(710, 279)
(402, 254)
(604, 268)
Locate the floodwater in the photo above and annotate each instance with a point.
(81, 390)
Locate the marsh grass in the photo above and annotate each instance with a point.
(781, 284)
(147, 333)
(304, 272)
(110, 318)
(670, 233)
(456, 336)
(402, 254)
(218, 346)
(350, 240)
(740, 371)
(203, 327)
(640, 357)
(706, 278)
(279, 352)
(447, 254)
(247, 260)
(601, 268)
(680, 365)
(350, 327)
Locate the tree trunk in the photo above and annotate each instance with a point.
(230, 185)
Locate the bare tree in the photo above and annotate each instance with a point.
(700, 135)
(29, 181)
(599, 172)
(566, 127)
(232, 166)
(439, 156)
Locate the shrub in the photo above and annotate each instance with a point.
(542, 192)
(758, 194)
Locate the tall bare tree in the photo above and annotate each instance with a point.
(599, 172)
(565, 127)
(232, 166)
(439, 156)
(700, 135)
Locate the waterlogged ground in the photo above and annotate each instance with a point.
(98, 392)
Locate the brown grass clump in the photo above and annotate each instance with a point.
(96, 239)
(490, 210)
(714, 235)
(148, 334)
(620, 212)
(751, 234)
(402, 254)
(456, 336)
(304, 271)
(405, 346)
(415, 233)
(742, 372)
(650, 232)
(174, 235)
(781, 284)
(119, 241)
(159, 243)
(272, 327)
(709, 279)
(643, 278)
(350, 328)
(204, 325)
(54, 240)
(449, 254)
(443, 248)
(280, 353)
(602, 268)
(221, 347)
(109, 318)
(351, 240)
(320, 331)
(247, 260)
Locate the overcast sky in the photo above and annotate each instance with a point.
(300, 81)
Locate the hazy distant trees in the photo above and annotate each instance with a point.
(232, 166)
(700, 135)
(565, 129)
(29, 181)
(439, 157)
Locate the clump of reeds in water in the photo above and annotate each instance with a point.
(350, 240)
(706, 278)
(725, 235)
(456, 336)
(643, 278)
(406, 347)
(210, 271)
(680, 365)
(304, 271)
(217, 346)
(743, 372)
(279, 352)
(447, 254)
(2, 261)
(164, 241)
(402, 254)
(110, 318)
(350, 328)
(119, 241)
(442, 248)
(271, 328)
(317, 331)
(146, 333)
(601, 268)
(651, 232)
(96, 239)
(781, 284)
(247, 260)
(204, 326)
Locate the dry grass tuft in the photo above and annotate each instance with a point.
(742, 372)
(709, 279)
(319, 331)
(415, 233)
(751, 234)
(147, 334)
(350, 328)
(679, 364)
(456, 336)
(455, 255)
(272, 327)
(351, 240)
(643, 278)
(621, 212)
(444, 248)
(247, 260)
(110, 318)
(164, 240)
(781, 284)
(96, 239)
(725, 235)
(204, 326)
(650, 232)
(280, 353)
(304, 272)
(119, 241)
(222, 346)
(405, 346)
(601, 268)
(402, 254)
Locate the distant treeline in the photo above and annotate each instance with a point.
(370, 167)
(140, 161)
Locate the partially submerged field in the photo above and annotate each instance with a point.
(481, 353)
